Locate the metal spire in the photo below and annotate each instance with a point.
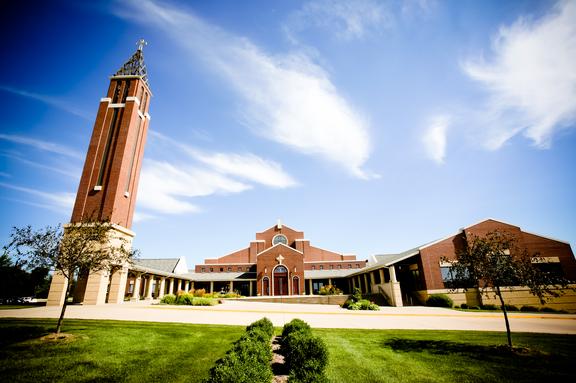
(135, 66)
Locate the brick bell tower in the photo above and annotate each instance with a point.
(109, 181)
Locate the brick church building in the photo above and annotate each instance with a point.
(280, 261)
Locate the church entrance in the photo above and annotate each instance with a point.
(280, 280)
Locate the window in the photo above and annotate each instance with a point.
(357, 265)
(331, 267)
(313, 267)
(280, 269)
(221, 269)
(279, 238)
(339, 267)
(203, 269)
(349, 266)
(229, 268)
(321, 267)
(211, 269)
(551, 268)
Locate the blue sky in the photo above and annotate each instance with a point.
(373, 126)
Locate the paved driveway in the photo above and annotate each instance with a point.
(320, 316)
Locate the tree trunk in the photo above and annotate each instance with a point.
(499, 293)
(61, 319)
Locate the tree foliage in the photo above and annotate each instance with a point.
(87, 246)
(493, 261)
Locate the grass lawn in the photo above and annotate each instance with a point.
(447, 356)
(173, 352)
(111, 351)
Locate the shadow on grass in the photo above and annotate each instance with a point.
(11, 335)
(442, 347)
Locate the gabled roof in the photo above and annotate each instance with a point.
(167, 265)
(135, 66)
(276, 245)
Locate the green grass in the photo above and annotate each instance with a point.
(111, 351)
(446, 356)
(173, 352)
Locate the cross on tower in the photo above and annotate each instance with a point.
(141, 43)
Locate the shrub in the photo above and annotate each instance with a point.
(475, 308)
(199, 292)
(356, 294)
(546, 309)
(295, 325)
(489, 307)
(184, 299)
(306, 357)
(204, 301)
(168, 299)
(439, 300)
(249, 358)
(348, 302)
(464, 306)
(511, 308)
(264, 324)
(529, 309)
(329, 290)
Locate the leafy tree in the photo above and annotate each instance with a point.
(16, 282)
(90, 246)
(494, 261)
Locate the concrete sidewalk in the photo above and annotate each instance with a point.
(233, 312)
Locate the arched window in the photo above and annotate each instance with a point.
(265, 286)
(295, 285)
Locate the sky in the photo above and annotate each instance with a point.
(373, 126)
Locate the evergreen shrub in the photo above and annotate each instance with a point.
(529, 309)
(464, 306)
(306, 357)
(168, 299)
(490, 307)
(295, 325)
(439, 300)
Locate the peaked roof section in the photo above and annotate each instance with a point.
(167, 264)
(135, 66)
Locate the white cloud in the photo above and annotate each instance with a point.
(531, 79)
(42, 145)
(434, 138)
(75, 174)
(246, 166)
(61, 201)
(166, 188)
(347, 20)
(287, 98)
(49, 100)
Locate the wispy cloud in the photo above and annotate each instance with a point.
(287, 98)
(6, 175)
(42, 145)
(49, 100)
(166, 188)
(530, 80)
(61, 201)
(246, 166)
(75, 174)
(346, 20)
(434, 138)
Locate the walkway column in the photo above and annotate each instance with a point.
(372, 281)
(136, 292)
(162, 287)
(171, 288)
(149, 284)
(231, 286)
(192, 285)
(186, 283)
(392, 270)
(381, 271)
(58, 290)
(395, 288)
(330, 281)
(250, 289)
(366, 283)
(310, 285)
(118, 285)
(211, 287)
(353, 283)
(96, 287)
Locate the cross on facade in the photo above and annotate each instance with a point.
(280, 258)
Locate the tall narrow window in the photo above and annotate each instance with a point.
(134, 148)
(107, 147)
(117, 91)
(126, 89)
(143, 104)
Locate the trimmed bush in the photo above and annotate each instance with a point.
(329, 290)
(199, 292)
(295, 325)
(511, 308)
(168, 299)
(490, 307)
(184, 299)
(363, 304)
(529, 309)
(464, 306)
(306, 357)
(248, 361)
(546, 309)
(475, 308)
(439, 300)
(263, 324)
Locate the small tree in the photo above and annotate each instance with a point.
(89, 246)
(494, 261)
